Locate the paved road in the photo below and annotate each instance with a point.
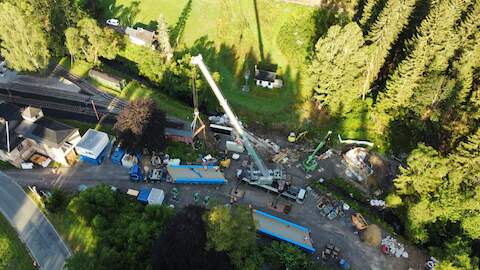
(338, 231)
(32, 226)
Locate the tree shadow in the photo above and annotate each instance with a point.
(398, 52)
(259, 31)
(376, 10)
(152, 25)
(176, 32)
(125, 14)
(359, 10)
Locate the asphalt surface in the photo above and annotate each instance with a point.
(33, 228)
(340, 231)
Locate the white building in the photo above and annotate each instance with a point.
(92, 145)
(267, 79)
(23, 134)
(141, 36)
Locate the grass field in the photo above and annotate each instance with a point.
(13, 254)
(231, 35)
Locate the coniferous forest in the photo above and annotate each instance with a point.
(415, 66)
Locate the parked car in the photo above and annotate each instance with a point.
(113, 22)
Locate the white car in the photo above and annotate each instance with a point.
(113, 22)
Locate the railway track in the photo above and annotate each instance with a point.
(87, 87)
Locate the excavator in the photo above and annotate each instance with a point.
(259, 175)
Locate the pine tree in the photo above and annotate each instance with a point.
(22, 41)
(383, 34)
(369, 11)
(433, 47)
(338, 67)
(163, 38)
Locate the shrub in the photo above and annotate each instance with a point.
(57, 202)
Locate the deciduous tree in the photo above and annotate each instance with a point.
(89, 41)
(232, 230)
(141, 124)
(23, 43)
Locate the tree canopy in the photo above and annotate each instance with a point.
(182, 245)
(23, 43)
(89, 41)
(232, 230)
(141, 124)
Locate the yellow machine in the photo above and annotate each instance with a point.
(225, 163)
(293, 137)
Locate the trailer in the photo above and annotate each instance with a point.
(283, 230)
(195, 174)
(151, 196)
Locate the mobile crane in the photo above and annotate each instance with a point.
(260, 176)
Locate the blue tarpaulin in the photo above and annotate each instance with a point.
(143, 195)
(117, 156)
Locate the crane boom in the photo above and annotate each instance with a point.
(267, 178)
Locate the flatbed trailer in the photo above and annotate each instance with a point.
(283, 230)
(195, 174)
(299, 197)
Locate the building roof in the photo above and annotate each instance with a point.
(141, 34)
(187, 133)
(93, 139)
(46, 130)
(92, 144)
(104, 76)
(31, 112)
(9, 112)
(264, 75)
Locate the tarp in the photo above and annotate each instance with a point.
(143, 195)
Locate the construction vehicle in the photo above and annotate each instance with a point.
(261, 175)
(293, 137)
(310, 164)
(226, 163)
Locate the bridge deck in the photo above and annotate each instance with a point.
(283, 230)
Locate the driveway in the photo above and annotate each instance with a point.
(33, 228)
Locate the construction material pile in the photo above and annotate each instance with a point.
(390, 246)
(372, 235)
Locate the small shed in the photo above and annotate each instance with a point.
(151, 196)
(107, 80)
(179, 135)
(267, 79)
(92, 147)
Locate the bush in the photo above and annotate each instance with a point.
(393, 200)
(57, 202)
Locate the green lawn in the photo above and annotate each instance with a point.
(13, 254)
(227, 33)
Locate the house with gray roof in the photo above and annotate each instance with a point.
(141, 36)
(26, 132)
